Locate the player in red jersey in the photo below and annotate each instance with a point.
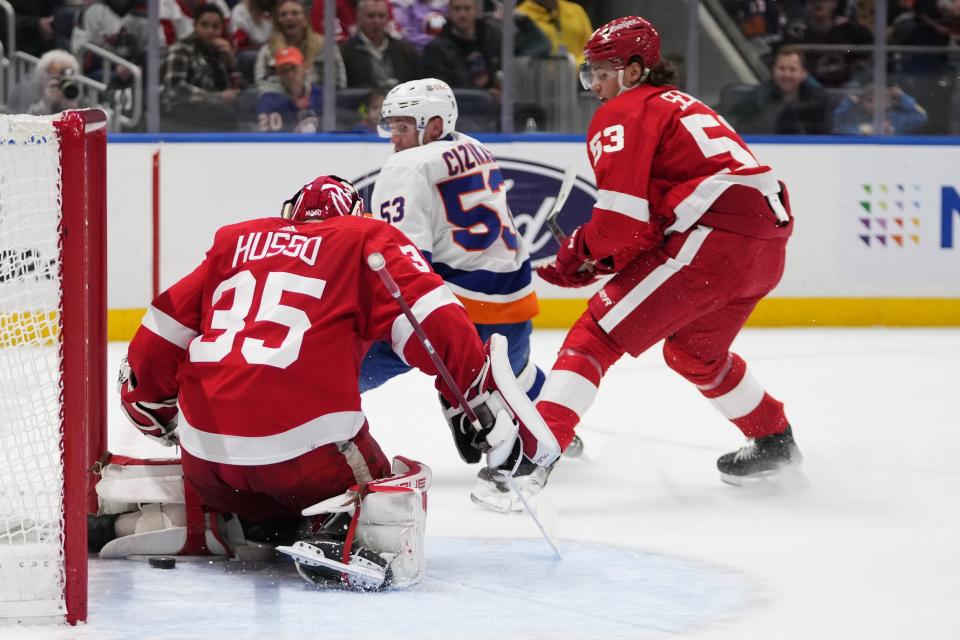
(251, 364)
(694, 230)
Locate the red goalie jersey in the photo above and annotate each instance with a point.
(664, 162)
(262, 343)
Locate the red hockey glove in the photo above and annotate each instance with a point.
(572, 267)
(552, 274)
(155, 420)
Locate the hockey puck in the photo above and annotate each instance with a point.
(162, 562)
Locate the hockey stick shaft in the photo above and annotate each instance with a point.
(529, 509)
(566, 186)
(569, 178)
(376, 262)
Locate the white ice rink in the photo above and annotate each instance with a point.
(655, 545)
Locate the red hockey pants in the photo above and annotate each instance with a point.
(695, 293)
(283, 489)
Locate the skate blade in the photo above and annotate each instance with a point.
(305, 553)
(501, 503)
(786, 477)
(506, 502)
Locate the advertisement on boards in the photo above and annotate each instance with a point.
(900, 221)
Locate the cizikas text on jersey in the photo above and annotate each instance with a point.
(467, 156)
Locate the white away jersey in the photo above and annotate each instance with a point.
(448, 197)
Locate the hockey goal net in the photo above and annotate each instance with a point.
(52, 357)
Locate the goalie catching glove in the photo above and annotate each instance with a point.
(510, 426)
(155, 420)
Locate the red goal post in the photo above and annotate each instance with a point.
(52, 358)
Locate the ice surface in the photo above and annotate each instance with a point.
(654, 544)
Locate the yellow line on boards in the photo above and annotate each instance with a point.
(805, 312)
(771, 312)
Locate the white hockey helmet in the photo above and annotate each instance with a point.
(421, 100)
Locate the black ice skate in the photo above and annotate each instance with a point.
(100, 531)
(319, 561)
(761, 458)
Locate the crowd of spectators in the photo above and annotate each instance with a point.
(830, 97)
(220, 60)
(790, 102)
(217, 82)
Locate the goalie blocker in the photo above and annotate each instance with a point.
(513, 432)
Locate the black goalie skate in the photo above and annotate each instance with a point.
(319, 561)
(760, 458)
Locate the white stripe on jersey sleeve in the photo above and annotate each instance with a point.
(706, 193)
(624, 203)
(168, 328)
(428, 303)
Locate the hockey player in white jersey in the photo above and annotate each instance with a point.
(446, 192)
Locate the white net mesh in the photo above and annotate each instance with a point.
(31, 469)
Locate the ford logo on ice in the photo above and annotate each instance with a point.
(532, 189)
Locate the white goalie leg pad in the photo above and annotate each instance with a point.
(395, 522)
(161, 530)
(128, 482)
(392, 520)
(149, 494)
(539, 443)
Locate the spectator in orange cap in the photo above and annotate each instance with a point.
(292, 103)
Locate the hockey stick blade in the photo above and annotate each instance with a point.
(536, 519)
(569, 178)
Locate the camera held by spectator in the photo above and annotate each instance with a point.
(54, 85)
(68, 85)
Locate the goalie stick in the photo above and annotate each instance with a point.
(379, 266)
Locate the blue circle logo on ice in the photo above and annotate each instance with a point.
(532, 189)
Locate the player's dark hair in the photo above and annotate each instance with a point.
(207, 8)
(663, 73)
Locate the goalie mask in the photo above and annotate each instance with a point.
(325, 197)
(618, 43)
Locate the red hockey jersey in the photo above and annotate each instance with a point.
(664, 161)
(262, 343)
